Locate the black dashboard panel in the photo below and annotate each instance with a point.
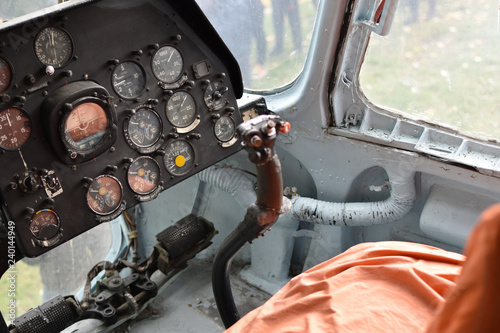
(105, 104)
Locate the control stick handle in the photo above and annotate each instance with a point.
(258, 136)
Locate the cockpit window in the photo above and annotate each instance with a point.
(14, 8)
(269, 38)
(439, 64)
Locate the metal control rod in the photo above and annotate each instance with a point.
(258, 136)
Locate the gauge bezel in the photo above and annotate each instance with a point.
(144, 149)
(71, 53)
(141, 68)
(234, 125)
(195, 113)
(167, 145)
(31, 127)
(11, 70)
(64, 117)
(214, 105)
(55, 109)
(159, 175)
(119, 203)
(181, 72)
(58, 224)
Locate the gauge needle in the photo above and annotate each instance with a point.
(185, 97)
(8, 119)
(171, 54)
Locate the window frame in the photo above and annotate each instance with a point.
(355, 116)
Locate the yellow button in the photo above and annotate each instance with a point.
(180, 161)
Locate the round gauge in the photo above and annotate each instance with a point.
(128, 79)
(213, 96)
(15, 128)
(225, 128)
(104, 195)
(167, 64)
(53, 47)
(179, 157)
(143, 175)
(85, 126)
(5, 75)
(45, 224)
(181, 109)
(144, 128)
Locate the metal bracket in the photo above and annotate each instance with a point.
(376, 15)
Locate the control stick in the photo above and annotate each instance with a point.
(258, 135)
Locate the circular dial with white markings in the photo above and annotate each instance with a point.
(45, 224)
(167, 64)
(15, 128)
(128, 79)
(53, 47)
(143, 175)
(179, 157)
(225, 128)
(144, 128)
(181, 109)
(104, 195)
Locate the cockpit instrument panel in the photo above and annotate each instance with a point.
(103, 105)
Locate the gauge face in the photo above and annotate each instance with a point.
(104, 195)
(85, 126)
(167, 64)
(181, 109)
(53, 47)
(15, 128)
(128, 79)
(225, 128)
(143, 175)
(45, 224)
(144, 128)
(214, 96)
(179, 157)
(5, 75)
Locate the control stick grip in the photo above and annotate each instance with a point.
(258, 136)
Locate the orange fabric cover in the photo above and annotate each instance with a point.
(474, 304)
(389, 287)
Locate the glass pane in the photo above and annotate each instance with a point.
(15, 8)
(269, 38)
(61, 271)
(440, 64)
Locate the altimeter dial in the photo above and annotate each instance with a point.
(167, 64)
(181, 109)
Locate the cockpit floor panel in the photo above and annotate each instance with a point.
(188, 304)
